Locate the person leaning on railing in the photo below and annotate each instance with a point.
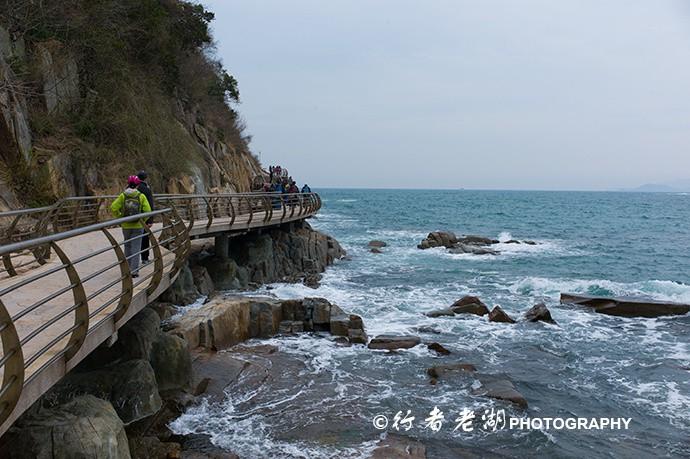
(132, 202)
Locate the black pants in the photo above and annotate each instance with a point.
(145, 246)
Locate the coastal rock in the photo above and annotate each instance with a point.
(82, 427)
(356, 336)
(539, 312)
(477, 240)
(202, 280)
(199, 446)
(171, 362)
(153, 448)
(438, 371)
(377, 244)
(512, 241)
(218, 324)
(182, 291)
(375, 250)
(438, 239)
(472, 249)
(499, 315)
(441, 312)
(130, 386)
(470, 305)
(529, 242)
(438, 348)
(627, 307)
(500, 388)
(391, 342)
(399, 447)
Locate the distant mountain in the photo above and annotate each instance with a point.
(676, 186)
(654, 188)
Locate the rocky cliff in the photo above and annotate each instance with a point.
(92, 91)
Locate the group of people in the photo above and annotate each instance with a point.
(136, 199)
(280, 181)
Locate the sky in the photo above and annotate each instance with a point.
(476, 94)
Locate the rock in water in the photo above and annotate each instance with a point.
(470, 305)
(399, 447)
(438, 348)
(377, 244)
(500, 388)
(441, 312)
(498, 315)
(439, 371)
(539, 312)
(85, 426)
(391, 342)
(477, 240)
(472, 249)
(375, 250)
(438, 239)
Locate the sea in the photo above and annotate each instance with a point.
(333, 401)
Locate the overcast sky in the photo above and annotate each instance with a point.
(497, 94)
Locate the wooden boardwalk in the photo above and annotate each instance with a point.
(55, 313)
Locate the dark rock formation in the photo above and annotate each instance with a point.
(500, 388)
(171, 362)
(499, 315)
(153, 448)
(470, 305)
(472, 249)
(83, 427)
(438, 348)
(377, 244)
(129, 386)
(290, 253)
(539, 312)
(438, 239)
(441, 313)
(399, 447)
(391, 342)
(438, 371)
(627, 307)
(375, 250)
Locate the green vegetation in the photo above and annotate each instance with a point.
(147, 72)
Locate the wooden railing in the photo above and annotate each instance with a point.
(66, 285)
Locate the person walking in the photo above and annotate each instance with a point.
(146, 190)
(131, 202)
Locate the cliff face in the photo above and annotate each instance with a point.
(90, 92)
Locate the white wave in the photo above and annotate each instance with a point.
(505, 236)
(180, 311)
(662, 290)
(347, 200)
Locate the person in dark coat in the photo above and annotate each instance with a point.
(145, 189)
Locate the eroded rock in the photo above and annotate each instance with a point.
(500, 388)
(438, 348)
(499, 315)
(391, 342)
(85, 426)
(539, 312)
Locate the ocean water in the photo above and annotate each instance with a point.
(588, 365)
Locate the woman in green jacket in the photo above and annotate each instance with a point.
(132, 202)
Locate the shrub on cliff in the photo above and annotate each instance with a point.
(146, 73)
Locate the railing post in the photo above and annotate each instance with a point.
(12, 366)
(81, 313)
(231, 211)
(126, 274)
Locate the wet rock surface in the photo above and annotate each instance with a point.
(499, 315)
(392, 342)
(501, 388)
(471, 244)
(539, 312)
(627, 307)
(399, 447)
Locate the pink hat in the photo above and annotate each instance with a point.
(133, 180)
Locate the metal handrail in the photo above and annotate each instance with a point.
(94, 288)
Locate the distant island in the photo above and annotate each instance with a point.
(678, 186)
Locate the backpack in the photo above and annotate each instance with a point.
(132, 205)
